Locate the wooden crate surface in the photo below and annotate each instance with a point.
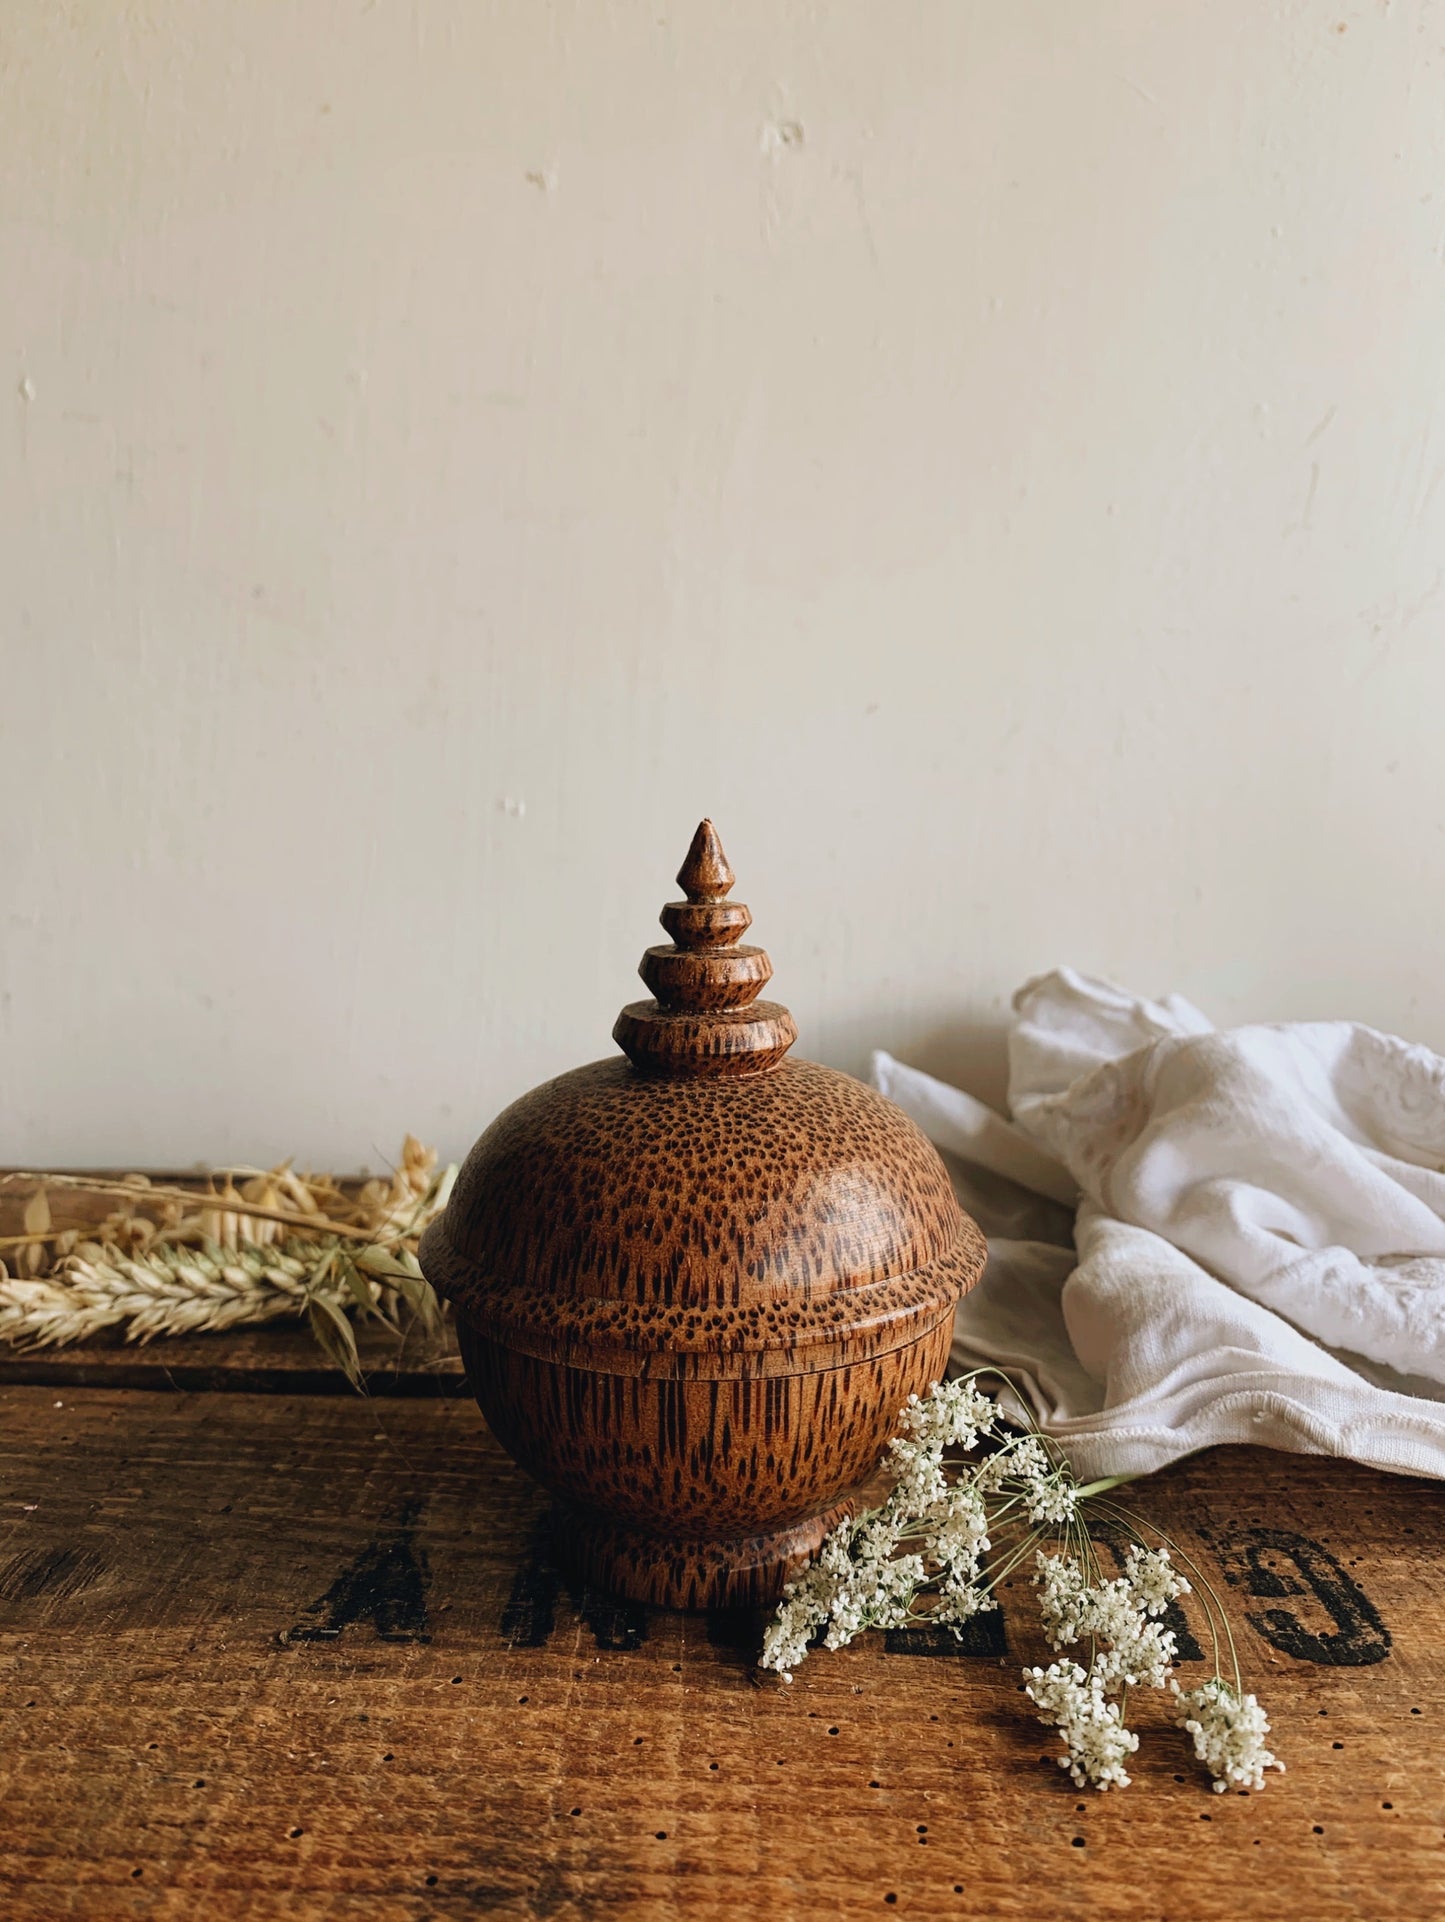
(275, 1655)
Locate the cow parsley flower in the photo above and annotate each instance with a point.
(1141, 1656)
(1023, 1468)
(1153, 1578)
(951, 1531)
(877, 1594)
(1095, 1738)
(1229, 1731)
(806, 1604)
(920, 1480)
(1063, 1598)
(1135, 1651)
(958, 1530)
(953, 1414)
(958, 1602)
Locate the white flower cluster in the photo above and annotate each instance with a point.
(1047, 1493)
(860, 1579)
(1095, 1738)
(953, 1414)
(1154, 1578)
(1131, 1650)
(856, 1583)
(806, 1602)
(1229, 1731)
(1021, 1470)
(1137, 1652)
(932, 1535)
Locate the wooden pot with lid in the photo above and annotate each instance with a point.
(694, 1284)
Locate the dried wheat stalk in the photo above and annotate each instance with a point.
(170, 1261)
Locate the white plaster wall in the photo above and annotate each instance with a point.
(989, 456)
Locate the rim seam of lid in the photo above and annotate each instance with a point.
(570, 1324)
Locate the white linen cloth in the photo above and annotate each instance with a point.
(1259, 1248)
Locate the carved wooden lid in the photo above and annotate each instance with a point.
(704, 1208)
(706, 1017)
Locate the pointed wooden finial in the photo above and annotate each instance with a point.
(705, 874)
(706, 1018)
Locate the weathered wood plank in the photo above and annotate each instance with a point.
(279, 1358)
(273, 1657)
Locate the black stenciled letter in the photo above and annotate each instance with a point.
(1361, 1637)
(530, 1614)
(531, 1611)
(386, 1585)
(980, 1635)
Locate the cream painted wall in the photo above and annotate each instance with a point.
(988, 456)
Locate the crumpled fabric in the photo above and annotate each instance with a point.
(1201, 1235)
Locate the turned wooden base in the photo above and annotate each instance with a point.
(743, 1571)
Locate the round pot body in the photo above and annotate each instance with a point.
(693, 1306)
